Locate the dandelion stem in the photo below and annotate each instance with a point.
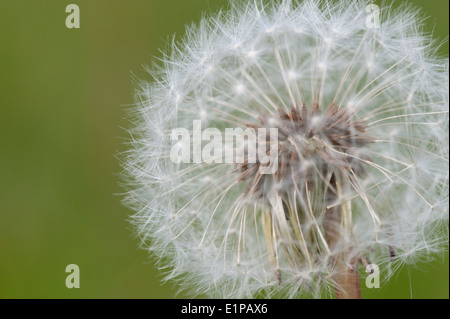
(337, 223)
(347, 280)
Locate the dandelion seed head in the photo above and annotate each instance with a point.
(362, 122)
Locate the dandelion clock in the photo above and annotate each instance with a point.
(284, 149)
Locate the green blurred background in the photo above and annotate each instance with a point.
(63, 95)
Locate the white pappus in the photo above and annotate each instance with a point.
(362, 178)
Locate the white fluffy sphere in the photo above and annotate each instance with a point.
(362, 115)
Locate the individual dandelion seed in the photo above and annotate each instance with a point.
(361, 171)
